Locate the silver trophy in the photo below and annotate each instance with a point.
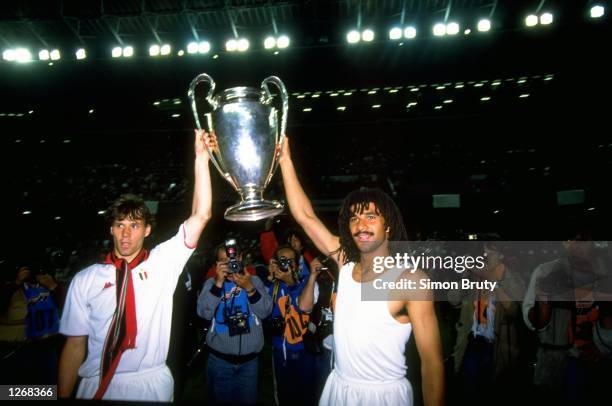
(249, 135)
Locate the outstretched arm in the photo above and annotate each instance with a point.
(202, 192)
(301, 209)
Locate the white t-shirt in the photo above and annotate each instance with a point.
(91, 302)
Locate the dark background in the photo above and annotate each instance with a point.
(507, 157)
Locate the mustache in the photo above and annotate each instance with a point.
(362, 232)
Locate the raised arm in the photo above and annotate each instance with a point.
(202, 192)
(306, 299)
(301, 208)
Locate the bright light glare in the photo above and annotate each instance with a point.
(484, 25)
(8, 55)
(165, 49)
(353, 37)
(439, 30)
(546, 19)
(231, 45)
(395, 33)
(269, 42)
(282, 41)
(597, 11)
(243, 44)
(452, 28)
(192, 48)
(154, 50)
(410, 32)
(531, 20)
(22, 55)
(204, 47)
(367, 35)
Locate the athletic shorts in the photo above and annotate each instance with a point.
(342, 391)
(155, 384)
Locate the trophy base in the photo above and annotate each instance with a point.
(253, 210)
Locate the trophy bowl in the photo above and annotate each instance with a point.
(249, 132)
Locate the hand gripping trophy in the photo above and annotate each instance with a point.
(249, 134)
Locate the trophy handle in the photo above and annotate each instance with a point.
(280, 138)
(203, 77)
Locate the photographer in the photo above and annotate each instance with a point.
(29, 325)
(566, 304)
(318, 299)
(236, 302)
(293, 367)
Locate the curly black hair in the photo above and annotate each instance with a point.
(355, 203)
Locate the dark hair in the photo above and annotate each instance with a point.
(287, 247)
(132, 207)
(355, 203)
(294, 232)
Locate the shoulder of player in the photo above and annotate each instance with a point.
(412, 274)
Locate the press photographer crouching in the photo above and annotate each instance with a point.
(235, 302)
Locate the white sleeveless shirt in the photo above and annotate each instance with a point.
(369, 344)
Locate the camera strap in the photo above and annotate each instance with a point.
(238, 291)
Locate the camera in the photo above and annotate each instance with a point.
(238, 323)
(284, 263)
(231, 250)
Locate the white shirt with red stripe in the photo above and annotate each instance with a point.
(91, 302)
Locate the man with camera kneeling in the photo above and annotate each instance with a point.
(236, 302)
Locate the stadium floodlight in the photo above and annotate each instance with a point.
(282, 42)
(81, 53)
(43, 55)
(128, 51)
(192, 48)
(55, 55)
(353, 37)
(204, 47)
(23, 55)
(597, 11)
(452, 28)
(367, 35)
(165, 49)
(231, 45)
(410, 32)
(439, 30)
(116, 52)
(269, 42)
(8, 55)
(243, 44)
(531, 20)
(546, 19)
(395, 33)
(484, 25)
(154, 50)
